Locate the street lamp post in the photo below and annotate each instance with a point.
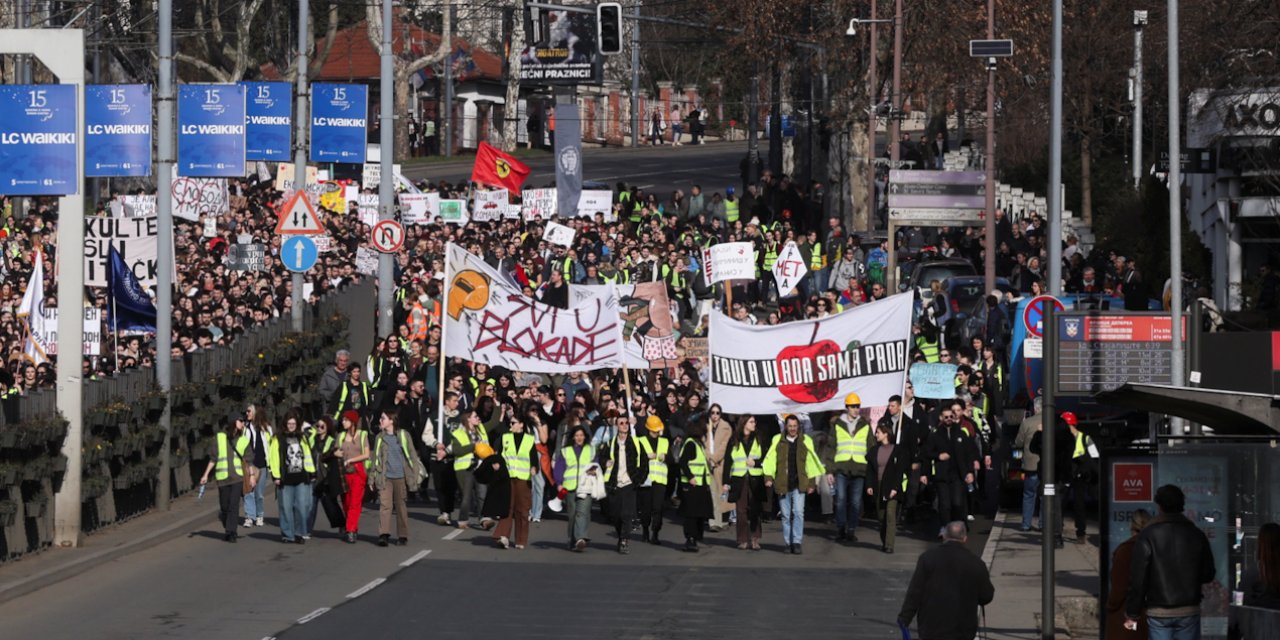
(873, 94)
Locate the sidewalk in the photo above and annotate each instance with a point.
(1013, 558)
(35, 571)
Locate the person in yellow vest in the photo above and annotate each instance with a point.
(887, 468)
(695, 485)
(744, 481)
(492, 472)
(292, 468)
(792, 469)
(520, 456)
(732, 206)
(625, 470)
(847, 470)
(227, 466)
(928, 343)
(575, 462)
(395, 472)
(1084, 472)
(462, 442)
(656, 449)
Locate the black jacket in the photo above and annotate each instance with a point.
(1171, 559)
(637, 465)
(946, 589)
(962, 451)
(894, 472)
(1063, 445)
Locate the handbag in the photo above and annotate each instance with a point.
(246, 473)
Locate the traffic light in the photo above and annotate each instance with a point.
(609, 28)
(534, 28)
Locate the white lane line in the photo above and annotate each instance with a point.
(366, 589)
(313, 615)
(416, 557)
(453, 534)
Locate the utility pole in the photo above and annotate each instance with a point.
(635, 77)
(1139, 21)
(164, 248)
(989, 256)
(95, 184)
(873, 97)
(300, 145)
(753, 126)
(1175, 214)
(1055, 165)
(446, 110)
(896, 114)
(386, 193)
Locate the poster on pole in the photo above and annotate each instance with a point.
(366, 261)
(811, 365)
(38, 140)
(538, 204)
(728, 261)
(133, 206)
(117, 128)
(595, 201)
(453, 211)
(568, 159)
(419, 208)
(45, 333)
(268, 121)
(491, 321)
(489, 205)
(194, 198)
(211, 130)
(789, 269)
(558, 234)
(371, 175)
(934, 380)
(339, 116)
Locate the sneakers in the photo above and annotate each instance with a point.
(504, 542)
(487, 523)
(443, 519)
(796, 549)
(384, 540)
(248, 522)
(580, 545)
(351, 537)
(463, 525)
(969, 518)
(258, 522)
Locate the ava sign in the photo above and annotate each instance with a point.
(789, 269)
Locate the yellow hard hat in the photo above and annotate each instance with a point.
(653, 424)
(852, 399)
(483, 450)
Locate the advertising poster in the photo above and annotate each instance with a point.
(117, 128)
(211, 130)
(38, 140)
(268, 121)
(339, 117)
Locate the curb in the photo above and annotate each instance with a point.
(993, 540)
(72, 567)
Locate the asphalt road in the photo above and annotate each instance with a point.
(659, 170)
(452, 583)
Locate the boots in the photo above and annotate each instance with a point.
(655, 539)
(690, 545)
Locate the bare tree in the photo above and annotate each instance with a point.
(405, 68)
(226, 55)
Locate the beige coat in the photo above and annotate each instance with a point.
(716, 445)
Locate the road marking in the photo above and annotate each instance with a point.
(313, 615)
(453, 534)
(366, 589)
(416, 557)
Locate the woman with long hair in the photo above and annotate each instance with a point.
(330, 485)
(353, 452)
(576, 461)
(887, 469)
(292, 468)
(259, 432)
(744, 473)
(695, 490)
(1262, 585)
(227, 465)
(521, 459)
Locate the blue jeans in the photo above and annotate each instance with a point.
(255, 501)
(1030, 491)
(1181, 628)
(578, 511)
(848, 494)
(792, 517)
(295, 509)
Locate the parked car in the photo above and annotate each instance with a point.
(941, 269)
(966, 311)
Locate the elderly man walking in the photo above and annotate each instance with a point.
(948, 586)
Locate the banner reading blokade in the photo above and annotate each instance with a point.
(811, 365)
(491, 321)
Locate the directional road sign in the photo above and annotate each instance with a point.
(990, 48)
(388, 236)
(937, 189)
(298, 217)
(299, 253)
(1033, 317)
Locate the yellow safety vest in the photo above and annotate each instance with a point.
(619, 277)
(462, 463)
(697, 466)
(770, 256)
(517, 457)
(657, 466)
(273, 455)
(342, 398)
(1082, 446)
(930, 350)
(575, 465)
(816, 259)
(851, 447)
(732, 210)
(405, 448)
(740, 455)
(229, 464)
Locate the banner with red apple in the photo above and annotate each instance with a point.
(811, 365)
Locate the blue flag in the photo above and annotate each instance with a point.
(129, 308)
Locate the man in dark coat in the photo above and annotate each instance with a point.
(948, 586)
(1062, 448)
(1171, 563)
(625, 471)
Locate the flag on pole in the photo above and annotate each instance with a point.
(31, 311)
(128, 306)
(498, 169)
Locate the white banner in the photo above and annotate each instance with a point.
(196, 197)
(45, 331)
(789, 269)
(367, 206)
(558, 234)
(490, 321)
(419, 208)
(135, 239)
(366, 261)
(511, 212)
(133, 206)
(489, 205)
(728, 261)
(538, 204)
(593, 202)
(371, 176)
(650, 331)
(811, 365)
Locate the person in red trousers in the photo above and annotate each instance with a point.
(353, 451)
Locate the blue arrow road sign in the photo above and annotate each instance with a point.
(299, 253)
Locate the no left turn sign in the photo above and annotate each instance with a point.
(388, 236)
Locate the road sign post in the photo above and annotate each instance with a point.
(1033, 316)
(388, 236)
(299, 253)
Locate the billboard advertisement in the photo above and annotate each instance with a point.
(268, 121)
(569, 54)
(211, 130)
(38, 140)
(117, 130)
(339, 118)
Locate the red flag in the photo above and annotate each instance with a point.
(498, 169)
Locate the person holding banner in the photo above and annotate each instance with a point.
(792, 469)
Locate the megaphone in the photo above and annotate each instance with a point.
(556, 505)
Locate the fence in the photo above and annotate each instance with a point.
(270, 366)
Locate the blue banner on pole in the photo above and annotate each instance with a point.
(117, 130)
(38, 140)
(211, 130)
(339, 118)
(268, 121)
